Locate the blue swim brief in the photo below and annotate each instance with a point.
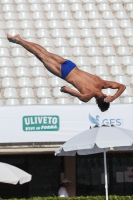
(66, 68)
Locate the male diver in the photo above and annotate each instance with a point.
(88, 85)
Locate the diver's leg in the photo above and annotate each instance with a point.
(50, 62)
(29, 46)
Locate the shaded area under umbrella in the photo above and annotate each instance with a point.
(97, 140)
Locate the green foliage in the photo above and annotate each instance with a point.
(112, 197)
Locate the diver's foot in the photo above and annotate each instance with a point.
(14, 39)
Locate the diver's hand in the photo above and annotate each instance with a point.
(109, 99)
(63, 89)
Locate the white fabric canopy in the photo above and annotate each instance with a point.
(13, 175)
(95, 140)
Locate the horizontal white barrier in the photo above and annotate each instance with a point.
(57, 123)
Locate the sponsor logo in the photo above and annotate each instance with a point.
(41, 123)
(107, 121)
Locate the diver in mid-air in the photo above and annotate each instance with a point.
(88, 85)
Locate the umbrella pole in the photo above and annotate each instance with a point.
(105, 171)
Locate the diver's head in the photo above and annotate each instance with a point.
(103, 106)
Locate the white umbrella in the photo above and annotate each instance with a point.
(98, 140)
(13, 175)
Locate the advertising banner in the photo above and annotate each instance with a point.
(58, 123)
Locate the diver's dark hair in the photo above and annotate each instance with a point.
(101, 104)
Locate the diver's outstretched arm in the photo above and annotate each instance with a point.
(82, 97)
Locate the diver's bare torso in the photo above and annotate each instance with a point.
(85, 82)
